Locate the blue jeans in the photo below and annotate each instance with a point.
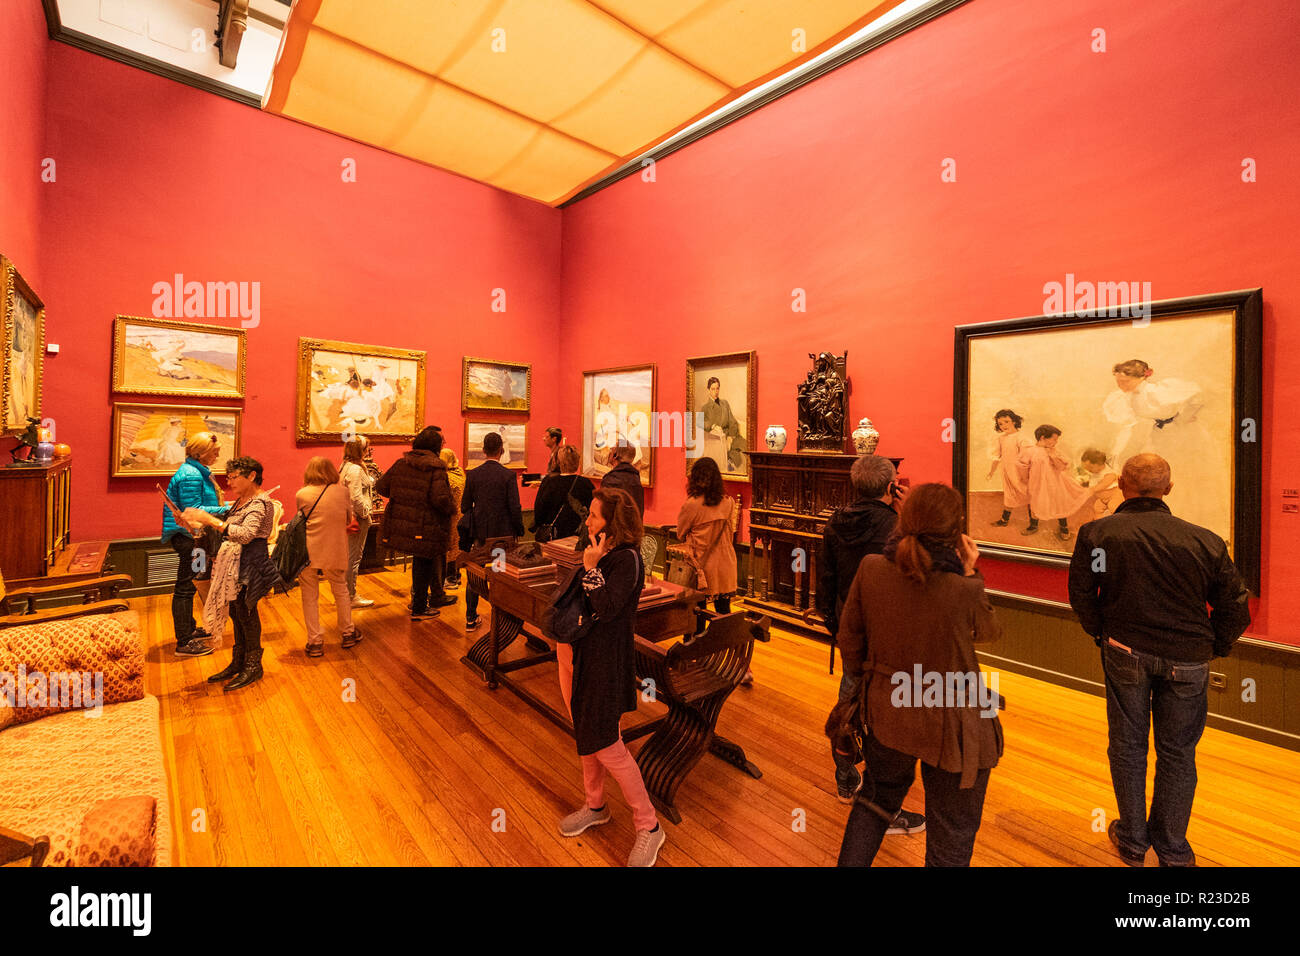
(846, 770)
(1142, 689)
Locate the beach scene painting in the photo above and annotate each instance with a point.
(161, 357)
(496, 386)
(149, 440)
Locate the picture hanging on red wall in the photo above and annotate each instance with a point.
(618, 411)
(22, 348)
(346, 389)
(1048, 409)
(722, 400)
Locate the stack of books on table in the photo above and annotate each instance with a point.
(536, 574)
(659, 592)
(561, 552)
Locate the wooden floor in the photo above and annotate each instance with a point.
(427, 766)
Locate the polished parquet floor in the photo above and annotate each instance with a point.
(395, 753)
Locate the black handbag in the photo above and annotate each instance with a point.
(290, 556)
(569, 618)
(546, 532)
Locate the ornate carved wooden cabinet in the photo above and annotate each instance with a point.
(35, 504)
(793, 496)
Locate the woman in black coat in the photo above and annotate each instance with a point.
(553, 516)
(604, 673)
(417, 520)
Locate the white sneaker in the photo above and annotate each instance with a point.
(362, 602)
(646, 849)
(579, 820)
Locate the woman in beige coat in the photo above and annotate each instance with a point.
(455, 478)
(329, 508)
(706, 525)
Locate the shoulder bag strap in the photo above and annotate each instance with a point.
(318, 498)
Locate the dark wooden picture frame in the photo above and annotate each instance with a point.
(1246, 307)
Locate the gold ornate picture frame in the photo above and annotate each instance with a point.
(149, 439)
(22, 349)
(372, 390)
(490, 386)
(166, 357)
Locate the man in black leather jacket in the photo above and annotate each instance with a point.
(1140, 580)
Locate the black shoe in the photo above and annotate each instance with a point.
(234, 667)
(353, 639)
(1000, 523)
(1124, 855)
(472, 623)
(907, 822)
(251, 673)
(200, 633)
(1032, 529)
(195, 648)
(424, 615)
(447, 601)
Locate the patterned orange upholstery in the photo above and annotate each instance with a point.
(51, 659)
(116, 833)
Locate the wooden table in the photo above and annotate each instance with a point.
(516, 604)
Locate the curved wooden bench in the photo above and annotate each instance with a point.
(694, 680)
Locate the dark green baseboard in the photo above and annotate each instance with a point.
(1043, 639)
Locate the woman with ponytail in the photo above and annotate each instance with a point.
(908, 629)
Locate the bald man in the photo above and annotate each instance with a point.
(1140, 580)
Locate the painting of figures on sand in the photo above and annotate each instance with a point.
(150, 439)
(617, 405)
(369, 390)
(160, 357)
(22, 342)
(1054, 414)
(501, 386)
(514, 439)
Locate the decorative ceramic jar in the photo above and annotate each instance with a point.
(775, 437)
(865, 437)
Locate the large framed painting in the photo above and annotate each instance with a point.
(150, 439)
(22, 325)
(348, 389)
(161, 357)
(514, 438)
(618, 409)
(1048, 410)
(722, 397)
(495, 386)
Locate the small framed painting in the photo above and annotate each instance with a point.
(514, 438)
(1048, 410)
(618, 411)
(149, 440)
(722, 397)
(162, 357)
(352, 389)
(495, 386)
(22, 327)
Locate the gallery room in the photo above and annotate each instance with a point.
(689, 433)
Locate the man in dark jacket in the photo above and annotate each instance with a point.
(852, 533)
(417, 520)
(1140, 580)
(625, 475)
(491, 506)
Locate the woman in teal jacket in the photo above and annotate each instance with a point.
(191, 487)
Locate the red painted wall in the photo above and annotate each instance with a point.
(1122, 165)
(156, 178)
(23, 46)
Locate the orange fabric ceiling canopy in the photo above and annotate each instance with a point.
(538, 97)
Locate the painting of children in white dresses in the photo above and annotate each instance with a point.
(1054, 415)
